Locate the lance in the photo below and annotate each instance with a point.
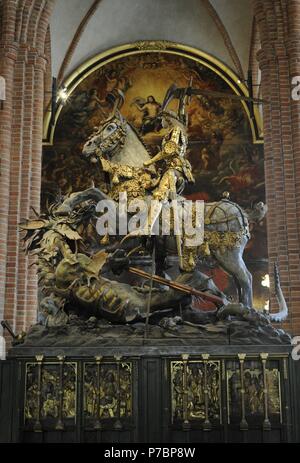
(218, 301)
(176, 217)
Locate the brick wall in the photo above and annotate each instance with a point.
(23, 62)
(279, 26)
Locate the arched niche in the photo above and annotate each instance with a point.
(225, 138)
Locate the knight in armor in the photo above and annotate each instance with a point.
(177, 170)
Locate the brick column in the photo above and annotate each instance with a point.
(15, 196)
(7, 71)
(281, 152)
(22, 63)
(8, 56)
(35, 181)
(293, 50)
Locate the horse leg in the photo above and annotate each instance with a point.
(199, 280)
(232, 262)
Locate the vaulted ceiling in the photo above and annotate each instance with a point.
(82, 28)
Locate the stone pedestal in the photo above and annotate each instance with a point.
(150, 391)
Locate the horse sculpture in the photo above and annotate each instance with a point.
(117, 146)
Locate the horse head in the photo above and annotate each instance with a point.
(108, 138)
(117, 141)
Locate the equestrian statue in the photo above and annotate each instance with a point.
(123, 278)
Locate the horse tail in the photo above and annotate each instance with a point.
(283, 308)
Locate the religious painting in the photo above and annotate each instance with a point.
(221, 148)
(254, 393)
(196, 392)
(107, 392)
(50, 394)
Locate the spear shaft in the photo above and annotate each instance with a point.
(177, 286)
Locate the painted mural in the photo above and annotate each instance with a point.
(221, 149)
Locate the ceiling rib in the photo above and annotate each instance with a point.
(79, 31)
(226, 37)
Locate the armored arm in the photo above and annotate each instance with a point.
(158, 157)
